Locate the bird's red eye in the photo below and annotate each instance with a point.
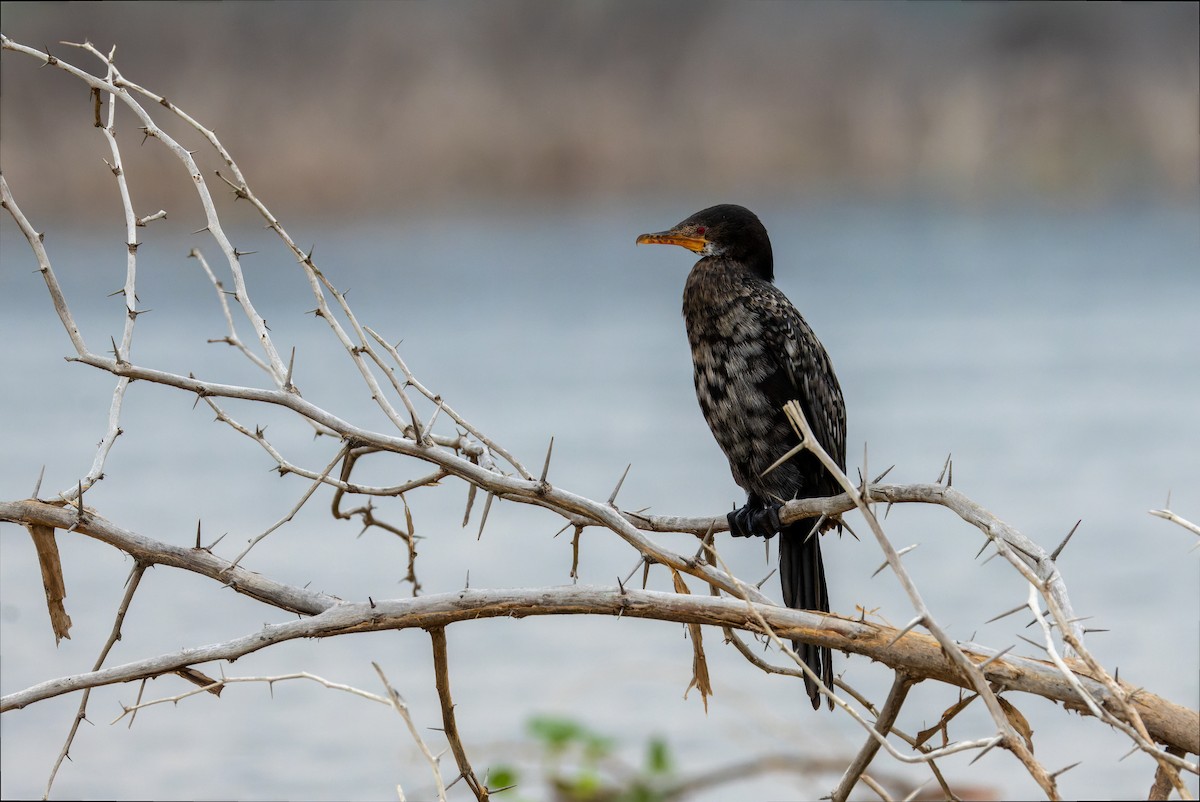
(701, 230)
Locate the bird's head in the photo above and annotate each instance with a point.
(729, 231)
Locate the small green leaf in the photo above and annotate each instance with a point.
(586, 784)
(596, 746)
(502, 776)
(658, 756)
(556, 733)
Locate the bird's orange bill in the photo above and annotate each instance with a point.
(694, 244)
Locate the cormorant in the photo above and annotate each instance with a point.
(752, 352)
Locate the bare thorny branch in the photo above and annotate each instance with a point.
(470, 455)
(441, 670)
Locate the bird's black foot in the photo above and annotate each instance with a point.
(755, 520)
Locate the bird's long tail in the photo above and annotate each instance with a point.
(802, 574)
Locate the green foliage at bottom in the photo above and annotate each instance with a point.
(580, 765)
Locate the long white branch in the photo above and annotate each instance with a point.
(916, 654)
(35, 239)
(535, 491)
(213, 222)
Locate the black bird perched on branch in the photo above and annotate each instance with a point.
(752, 352)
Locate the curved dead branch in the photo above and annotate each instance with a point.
(917, 655)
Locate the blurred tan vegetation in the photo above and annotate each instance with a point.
(346, 108)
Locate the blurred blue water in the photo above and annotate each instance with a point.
(1055, 353)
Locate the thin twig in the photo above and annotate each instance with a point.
(295, 509)
(1176, 519)
(269, 680)
(401, 707)
(883, 725)
(131, 586)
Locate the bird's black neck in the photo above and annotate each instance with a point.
(763, 266)
(753, 256)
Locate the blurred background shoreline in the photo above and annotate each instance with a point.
(354, 109)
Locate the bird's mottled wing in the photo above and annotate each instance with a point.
(806, 373)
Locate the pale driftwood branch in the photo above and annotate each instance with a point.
(318, 282)
(315, 277)
(532, 492)
(117, 88)
(356, 350)
(59, 300)
(917, 655)
(154, 552)
(129, 291)
(37, 244)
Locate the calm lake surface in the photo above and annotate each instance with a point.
(1055, 353)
